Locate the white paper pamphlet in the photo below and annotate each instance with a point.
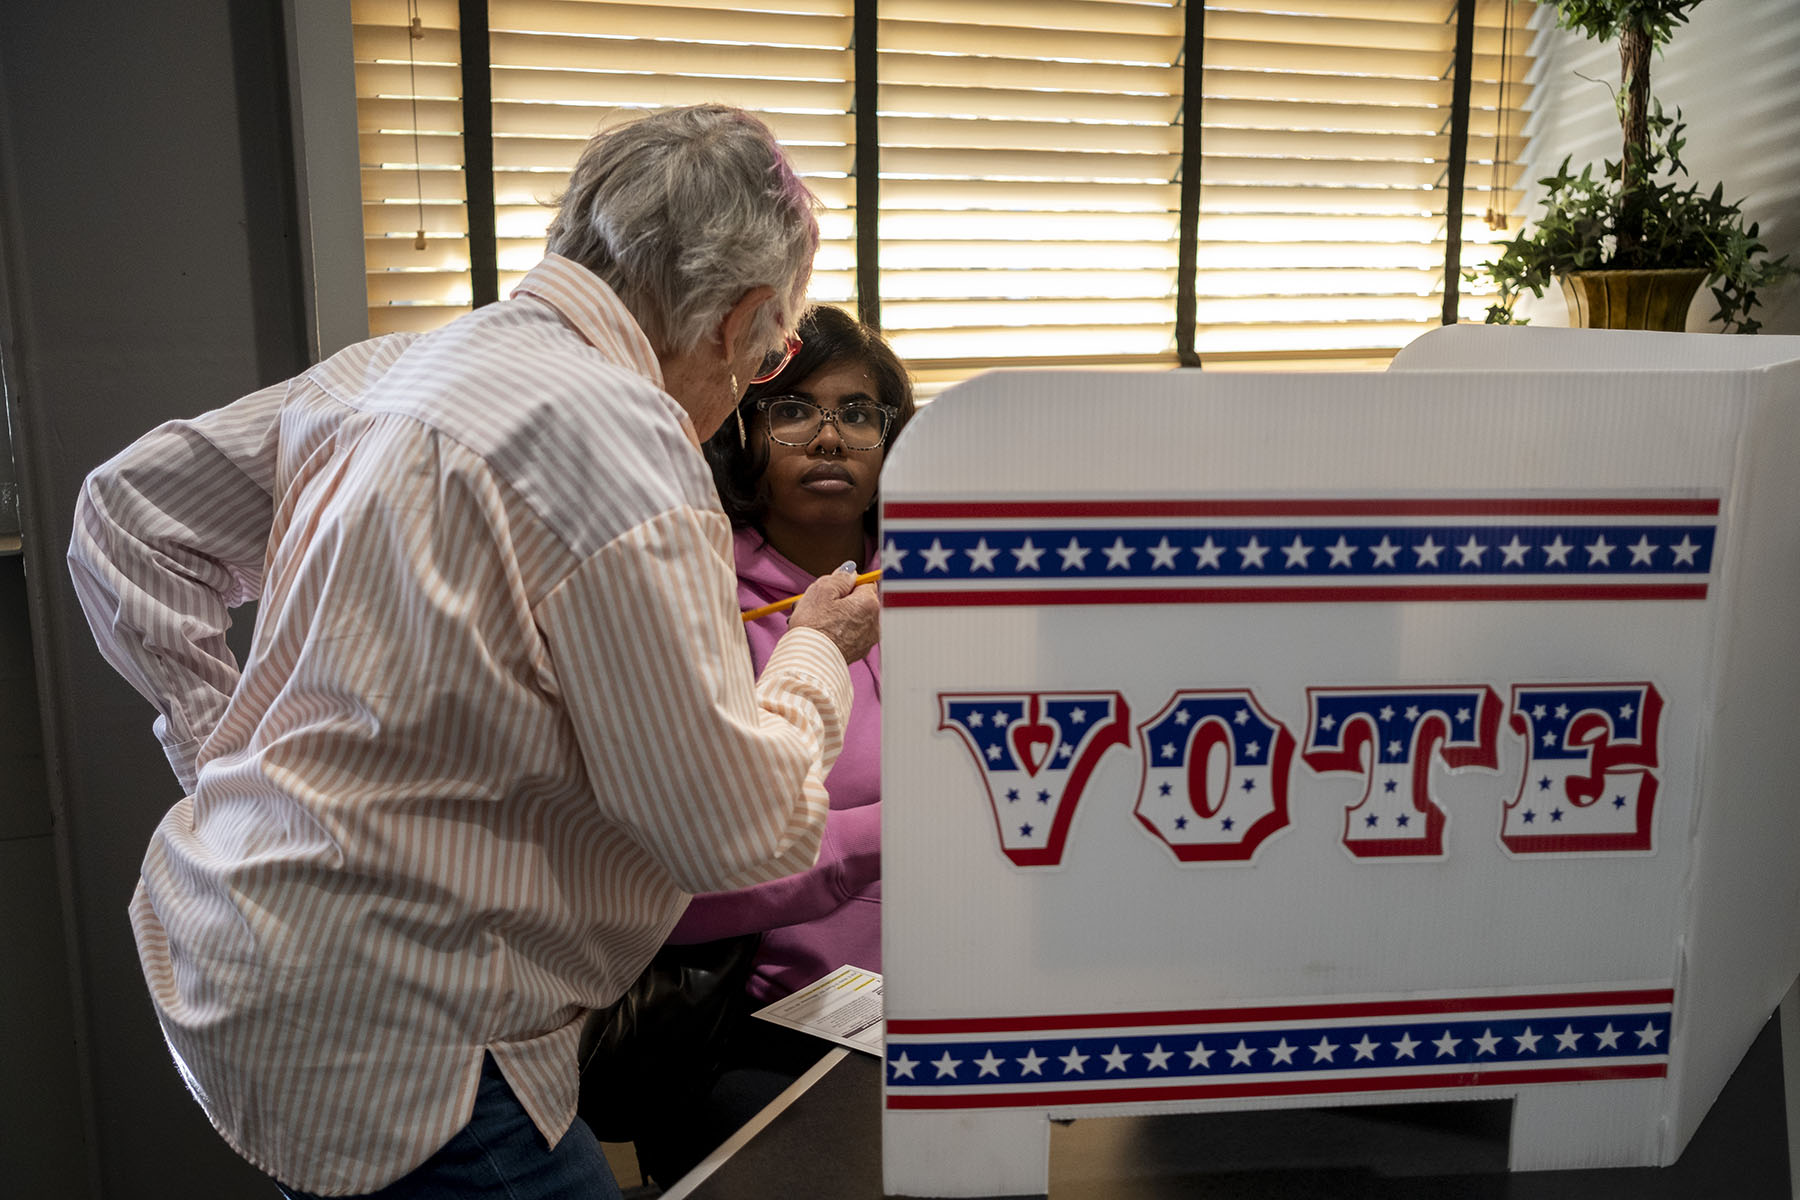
(844, 1007)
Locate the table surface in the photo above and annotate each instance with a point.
(823, 1139)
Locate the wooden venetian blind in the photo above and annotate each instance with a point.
(1029, 164)
(562, 68)
(1031, 160)
(1325, 169)
(409, 125)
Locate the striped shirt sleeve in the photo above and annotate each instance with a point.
(720, 778)
(169, 536)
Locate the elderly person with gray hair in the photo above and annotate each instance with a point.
(497, 720)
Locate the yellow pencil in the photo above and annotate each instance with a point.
(751, 614)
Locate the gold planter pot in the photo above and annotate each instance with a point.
(1656, 299)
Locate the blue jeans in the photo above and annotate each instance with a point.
(500, 1154)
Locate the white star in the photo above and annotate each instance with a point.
(1387, 712)
(1538, 711)
(1253, 553)
(1365, 1048)
(1609, 1037)
(1073, 1060)
(1065, 750)
(1168, 749)
(989, 1064)
(1323, 1049)
(1297, 552)
(1200, 1056)
(1118, 555)
(1028, 555)
(1566, 1039)
(1078, 715)
(1625, 712)
(1000, 718)
(994, 752)
(1327, 722)
(947, 1065)
(1240, 1054)
(937, 556)
(1116, 1060)
(1281, 1052)
(1163, 555)
(1447, 1044)
(1032, 1063)
(1549, 738)
(1427, 550)
(1642, 551)
(981, 558)
(1394, 748)
(1471, 552)
(1486, 1042)
(1514, 552)
(891, 554)
(1527, 1041)
(1600, 552)
(1412, 712)
(1562, 712)
(903, 1066)
(1462, 715)
(1181, 716)
(1206, 554)
(1341, 552)
(1252, 749)
(1157, 1057)
(1074, 555)
(1241, 716)
(1648, 1034)
(1384, 552)
(1405, 1046)
(1684, 551)
(1557, 552)
(975, 718)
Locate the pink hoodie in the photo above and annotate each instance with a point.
(821, 919)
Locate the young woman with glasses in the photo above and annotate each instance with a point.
(797, 473)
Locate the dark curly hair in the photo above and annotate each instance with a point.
(828, 336)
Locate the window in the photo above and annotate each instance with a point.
(561, 68)
(409, 128)
(1324, 176)
(1030, 162)
(1031, 155)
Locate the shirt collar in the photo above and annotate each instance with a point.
(594, 311)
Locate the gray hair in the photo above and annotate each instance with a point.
(681, 213)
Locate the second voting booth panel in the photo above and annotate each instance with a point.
(1296, 740)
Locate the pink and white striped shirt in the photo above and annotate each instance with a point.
(498, 719)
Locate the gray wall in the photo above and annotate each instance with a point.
(40, 1101)
(1734, 72)
(151, 271)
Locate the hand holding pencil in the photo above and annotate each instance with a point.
(755, 614)
(840, 605)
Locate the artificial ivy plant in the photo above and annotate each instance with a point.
(1639, 212)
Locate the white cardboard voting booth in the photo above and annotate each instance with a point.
(1297, 740)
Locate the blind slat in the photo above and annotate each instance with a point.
(1029, 42)
(783, 24)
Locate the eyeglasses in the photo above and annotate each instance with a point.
(776, 360)
(796, 422)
